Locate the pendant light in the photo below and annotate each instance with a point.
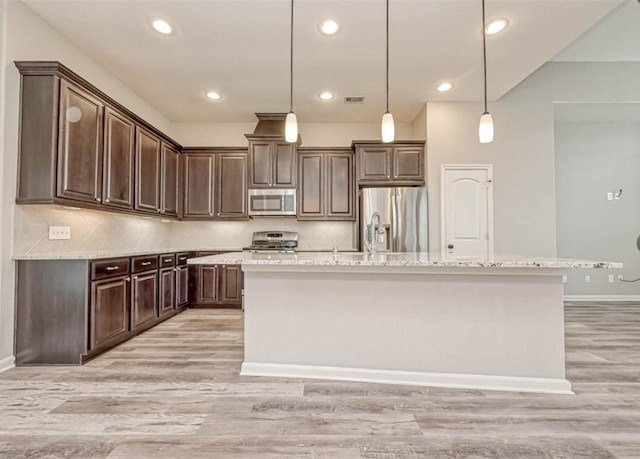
(291, 122)
(388, 128)
(485, 130)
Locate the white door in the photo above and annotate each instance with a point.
(467, 212)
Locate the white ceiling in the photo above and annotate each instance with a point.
(241, 49)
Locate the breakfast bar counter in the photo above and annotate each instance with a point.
(406, 318)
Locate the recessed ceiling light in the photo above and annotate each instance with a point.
(162, 26)
(496, 26)
(444, 86)
(329, 27)
(214, 95)
(326, 96)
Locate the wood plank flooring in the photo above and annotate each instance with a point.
(174, 392)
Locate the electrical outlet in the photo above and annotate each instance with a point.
(587, 279)
(620, 278)
(59, 232)
(611, 278)
(564, 279)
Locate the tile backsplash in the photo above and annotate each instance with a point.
(102, 231)
(90, 231)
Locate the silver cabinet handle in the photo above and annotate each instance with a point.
(167, 259)
(128, 279)
(146, 263)
(107, 200)
(112, 268)
(98, 199)
(182, 258)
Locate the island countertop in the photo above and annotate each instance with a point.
(395, 259)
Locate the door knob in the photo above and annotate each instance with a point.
(450, 246)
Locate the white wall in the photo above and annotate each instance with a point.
(591, 160)
(6, 197)
(523, 150)
(313, 134)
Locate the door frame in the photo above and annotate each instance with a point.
(490, 215)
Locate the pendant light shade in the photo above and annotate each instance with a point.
(388, 128)
(291, 122)
(291, 128)
(485, 130)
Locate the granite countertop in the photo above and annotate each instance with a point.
(421, 259)
(103, 254)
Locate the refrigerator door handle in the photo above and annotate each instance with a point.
(394, 222)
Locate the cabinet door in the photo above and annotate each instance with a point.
(340, 186)
(230, 284)
(167, 291)
(144, 303)
(408, 164)
(79, 145)
(169, 181)
(109, 314)
(119, 144)
(147, 171)
(231, 185)
(182, 286)
(207, 284)
(198, 185)
(260, 165)
(311, 190)
(284, 165)
(374, 164)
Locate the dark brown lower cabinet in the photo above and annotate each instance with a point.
(168, 297)
(230, 284)
(69, 311)
(182, 286)
(215, 286)
(109, 313)
(144, 299)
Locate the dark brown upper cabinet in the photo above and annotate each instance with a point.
(147, 171)
(231, 185)
(272, 162)
(393, 164)
(169, 181)
(119, 142)
(215, 183)
(198, 185)
(79, 147)
(326, 187)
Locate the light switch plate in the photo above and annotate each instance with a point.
(609, 196)
(611, 278)
(59, 232)
(587, 279)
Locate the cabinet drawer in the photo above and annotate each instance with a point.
(167, 260)
(145, 263)
(181, 258)
(109, 268)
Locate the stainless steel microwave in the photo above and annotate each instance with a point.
(272, 202)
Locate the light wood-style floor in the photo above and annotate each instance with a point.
(174, 392)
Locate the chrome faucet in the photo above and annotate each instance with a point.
(373, 228)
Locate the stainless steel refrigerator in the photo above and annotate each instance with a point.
(403, 218)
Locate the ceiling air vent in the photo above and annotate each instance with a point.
(354, 100)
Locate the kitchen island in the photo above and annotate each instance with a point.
(406, 318)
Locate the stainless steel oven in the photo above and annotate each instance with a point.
(272, 202)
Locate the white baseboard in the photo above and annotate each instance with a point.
(7, 363)
(459, 381)
(597, 298)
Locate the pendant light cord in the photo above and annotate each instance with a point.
(291, 65)
(484, 57)
(387, 45)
